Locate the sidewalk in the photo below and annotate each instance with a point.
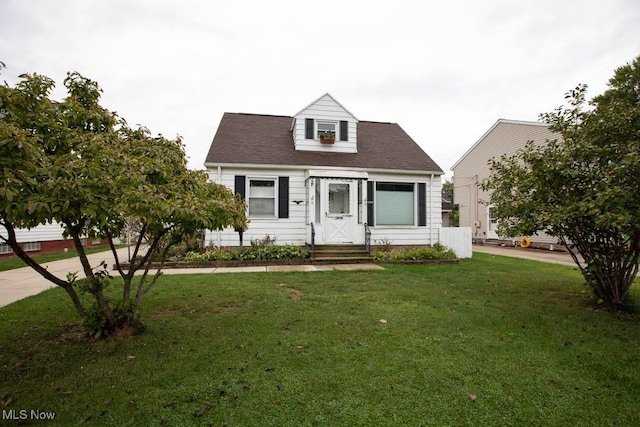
(23, 282)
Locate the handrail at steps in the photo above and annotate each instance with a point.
(313, 238)
(367, 237)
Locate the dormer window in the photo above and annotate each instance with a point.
(326, 130)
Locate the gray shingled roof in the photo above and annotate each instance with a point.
(267, 140)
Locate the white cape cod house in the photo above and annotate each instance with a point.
(322, 176)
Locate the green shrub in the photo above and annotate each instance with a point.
(215, 254)
(436, 252)
(273, 252)
(254, 252)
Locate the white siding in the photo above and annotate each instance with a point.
(290, 230)
(504, 137)
(325, 108)
(293, 230)
(41, 233)
(412, 235)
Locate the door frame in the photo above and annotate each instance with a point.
(347, 219)
(492, 224)
(317, 194)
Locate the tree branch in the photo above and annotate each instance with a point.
(65, 284)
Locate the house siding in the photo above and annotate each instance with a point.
(48, 235)
(412, 235)
(41, 233)
(504, 138)
(293, 230)
(289, 230)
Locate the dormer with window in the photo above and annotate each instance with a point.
(326, 126)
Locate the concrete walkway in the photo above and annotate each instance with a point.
(23, 282)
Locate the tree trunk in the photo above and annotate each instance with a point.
(142, 290)
(611, 265)
(65, 284)
(97, 288)
(105, 308)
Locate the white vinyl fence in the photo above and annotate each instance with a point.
(458, 239)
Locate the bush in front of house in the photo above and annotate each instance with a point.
(252, 253)
(272, 252)
(436, 252)
(214, 254)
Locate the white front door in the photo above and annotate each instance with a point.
(492, 223)
(340, 216)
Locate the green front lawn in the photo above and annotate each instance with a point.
(490, 341)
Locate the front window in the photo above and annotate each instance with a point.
(262, 197)
(317, 199)
(326, 130)
(339, 198)
(5, 248)
(395, 203)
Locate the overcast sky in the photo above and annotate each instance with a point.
(445, 71)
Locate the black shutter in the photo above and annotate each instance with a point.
(308, 128)
(283, 197)
(422, 204)
(240, 185)
(344, 130)
(370, 211)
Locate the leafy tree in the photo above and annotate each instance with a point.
(585, 188)
(78, 164)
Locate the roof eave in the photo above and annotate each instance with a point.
(316, 167)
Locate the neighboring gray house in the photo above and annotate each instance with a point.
(504, 137)
(297, 183)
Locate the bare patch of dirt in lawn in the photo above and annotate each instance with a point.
(295, 294)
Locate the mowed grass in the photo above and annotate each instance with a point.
(490, 341)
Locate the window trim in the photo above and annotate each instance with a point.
(340, 128)
(275, 196)
(415, 212)
(333, 123)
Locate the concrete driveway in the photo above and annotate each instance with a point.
(554, 257)
(23, 282)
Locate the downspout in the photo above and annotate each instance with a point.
(431, 210)
(475, 201)
(219, 182)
